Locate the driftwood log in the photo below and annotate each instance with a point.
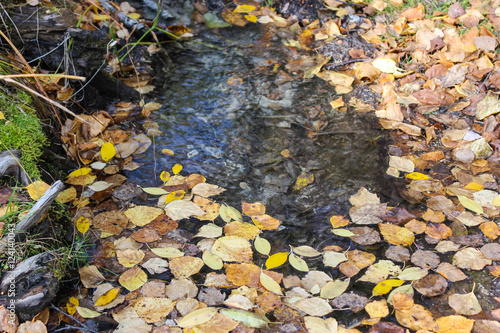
(31, 286)
(35, 213)
(10, 165)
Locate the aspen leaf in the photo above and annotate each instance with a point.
(233, 248)
(262, 245)
(470, 204)
(107, 297)
(396, 235)
(133, 278)
(244, 9)
(465, 304)
(306, 251)
(167, 252)
(154, 190)
(343, 232)
(176, 169)
(298, 263)
(37, 189)
(413, 274)
(247, 318)
(233, 213)
(108, 151)
(269, 283)
(142, 215)
(338, 221)
(314, 306)
(251, 18)
(211, 260)
(454, 324)
(405, 289)
(100, 186)
(87, 313)
(73, 302)
(165, 175)
(173, 196)
(334, 289)
(276, 260)
(182, 209)
(197, 317)
(253, 209)
(385, 286)
(167, 151)
(80, 172)
(416, 175)
(83, 224)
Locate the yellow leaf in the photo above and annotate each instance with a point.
(268, 282)
(276, 260)
(134, 16)
(165, 175)
(496, 201)
(107, 297)
(175, 195)
(470, 204)
(154, 190)
(108, 151)
(396, 235)
(343, 232)
(417, 175)
(197, 317)
(80, 172)
(37, 189)
(334, 288)
(251, 18)
(168, 152)
(244, 9)
(474, 186)
(211, 260)
(176, 169)
(167, 252)
(133, 278)
(83, 224)
(298, 263)
(303, 180)
(71, 305)
(262, 245)
(87, 313)
(385, 286)
(1, 115)
(338, 221)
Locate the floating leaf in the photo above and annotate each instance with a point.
(343, 232)
(167, 252)
(233, 248)
(142, 215)
(338, 221)
(133, 278)
(298, 263)
(247, 318)
(165, 175)
(269, 283)
(211, 260)
(108, 297)
(413, 274)
(244, 9)
(87, 313)
(182, 209)
(276, 260)
(262, 245)
(176, 169)
(197, 317)
(334, 288)
(100, 186)
(108, 151)
(154, 190)
(306, 251)
(385, 286)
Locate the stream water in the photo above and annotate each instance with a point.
(234, 134)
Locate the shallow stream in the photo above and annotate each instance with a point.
(228, 115)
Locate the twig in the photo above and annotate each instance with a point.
(484, 82)
(335, 132)
(83, 326)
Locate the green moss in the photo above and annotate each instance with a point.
(21, 129)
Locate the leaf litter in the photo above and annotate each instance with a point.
(437, 75)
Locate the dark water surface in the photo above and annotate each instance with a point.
(234, 134)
